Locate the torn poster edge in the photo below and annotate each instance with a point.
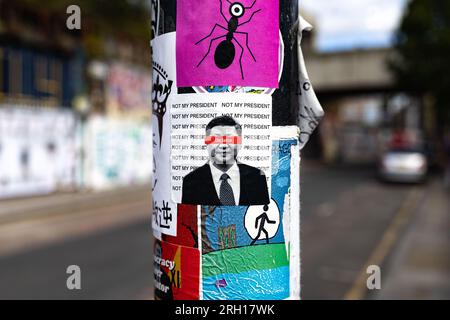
(313, 114)
(291, 224)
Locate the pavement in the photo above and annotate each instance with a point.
(107, 234)
(420, 265)
(34, 222)
(349, 221)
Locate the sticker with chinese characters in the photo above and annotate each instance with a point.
(164, 90)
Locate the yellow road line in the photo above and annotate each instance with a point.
(359, 289)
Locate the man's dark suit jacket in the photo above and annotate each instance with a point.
(198, 187)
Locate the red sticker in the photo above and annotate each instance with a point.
(176, 272)
(223, 140)
(187, 233)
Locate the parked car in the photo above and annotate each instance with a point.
(405, 165)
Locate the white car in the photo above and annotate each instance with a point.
(403, 165)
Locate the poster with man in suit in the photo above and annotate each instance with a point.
(221, 149)
(223, 180)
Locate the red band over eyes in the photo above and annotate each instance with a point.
(223, 140)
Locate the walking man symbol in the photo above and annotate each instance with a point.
(263, 219)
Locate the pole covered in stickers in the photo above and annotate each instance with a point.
(232, 108)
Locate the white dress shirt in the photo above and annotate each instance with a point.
(234, 181)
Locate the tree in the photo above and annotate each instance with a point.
(422, 63)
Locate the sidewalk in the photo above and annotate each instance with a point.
(33, 222)
(13, 210)
(419, 268)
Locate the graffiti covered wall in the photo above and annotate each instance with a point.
(117, 153)
(39, 150)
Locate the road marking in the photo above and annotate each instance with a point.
(391, 235)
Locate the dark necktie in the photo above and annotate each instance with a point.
(226, 192)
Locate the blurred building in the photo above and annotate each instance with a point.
(363, 104)
(40, 63)
(74, 104)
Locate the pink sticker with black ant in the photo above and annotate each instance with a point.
(227, 42)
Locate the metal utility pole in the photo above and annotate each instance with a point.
(227, 109)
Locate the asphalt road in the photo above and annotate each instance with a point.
(116, 264)
(345, 214)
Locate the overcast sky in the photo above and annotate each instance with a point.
(346, 24)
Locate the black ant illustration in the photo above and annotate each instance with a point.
(226, 51)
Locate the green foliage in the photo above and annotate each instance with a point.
(423, 47)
